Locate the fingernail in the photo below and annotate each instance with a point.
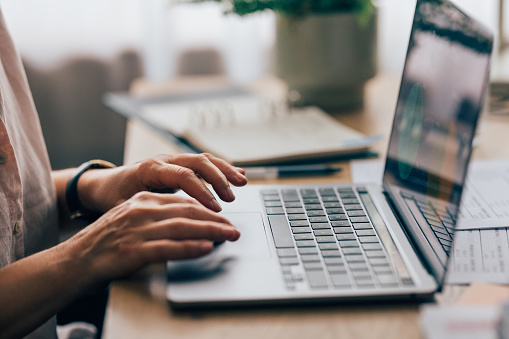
(241, 176)
(229, 192)
(215, 204)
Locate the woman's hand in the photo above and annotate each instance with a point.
(147, 228)
(103, 189)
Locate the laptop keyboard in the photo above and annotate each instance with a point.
(325, 237)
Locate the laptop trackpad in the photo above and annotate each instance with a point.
(252, 244)
(253, 240)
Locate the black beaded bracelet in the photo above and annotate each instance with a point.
(76, 209)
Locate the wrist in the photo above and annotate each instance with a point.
(78, 191)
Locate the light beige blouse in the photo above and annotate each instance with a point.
(28, 210)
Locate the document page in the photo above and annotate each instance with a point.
(481, 256)
(486, 196)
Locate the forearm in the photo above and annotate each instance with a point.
(35, 288)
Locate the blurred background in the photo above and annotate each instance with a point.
(76, 50)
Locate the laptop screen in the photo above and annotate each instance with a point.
(441, 96)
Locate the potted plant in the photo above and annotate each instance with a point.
(325, 49)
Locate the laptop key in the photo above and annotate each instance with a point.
(362, 225)
(375, 254)
(308, 192)
(297, 217)
(356, 213)
(316, 213)
(352, 250)
(382, 269)
(303, 236)
(371, 246)
(327, 246)
(362, 233)
(311, 200)
(297, 230)
(306, 243)
(289, 261)
(340, 223)
(368, 239)
(353, 207)
(331, 253)
(340, 280)
(280, 231)
(310, 266)
(350, 201)
(359, 219)
(320, 226)
(295, 210)
(337, 217)
(330, 199)
(355, 258)
(308, 250)
(365, 284)
(294, 223)
(286, 252)
(378, 262)
(335, 211)
(325, 239)
(312, 207)
(317, 279)
(445, 242)
(447, 238)
(407, 281)
(333, 261)
(310, 258)
(387, 280)
(326, 192)
(346, 236)
(361, 275)
(348, 243)
(291, 204)
(358, 266)
(273, 204)
(318, 219)
(323, 232)
(271, 198)
(343, 230)
(275, 210)
(332, 205)
(336, 269)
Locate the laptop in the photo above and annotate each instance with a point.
(349, 242)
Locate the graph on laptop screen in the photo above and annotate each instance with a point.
(441, 97)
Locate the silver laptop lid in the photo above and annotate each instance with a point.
(441, 96)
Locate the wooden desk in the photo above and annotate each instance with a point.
(137, 307)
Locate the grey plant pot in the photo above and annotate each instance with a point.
(326, 58)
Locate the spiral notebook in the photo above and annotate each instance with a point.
(249, 130)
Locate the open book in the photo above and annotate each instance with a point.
(249, 130)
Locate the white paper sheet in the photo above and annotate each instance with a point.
(479, 255)
(485, 201)
(460, 322)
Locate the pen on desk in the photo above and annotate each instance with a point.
(274, 172)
